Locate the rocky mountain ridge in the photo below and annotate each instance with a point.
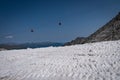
(108, 32)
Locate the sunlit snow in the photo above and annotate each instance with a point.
(92, 61)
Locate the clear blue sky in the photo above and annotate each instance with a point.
(78, 17)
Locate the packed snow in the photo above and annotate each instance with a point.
(92, 61)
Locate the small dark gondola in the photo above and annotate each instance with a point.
(32, 30)
(59, 23)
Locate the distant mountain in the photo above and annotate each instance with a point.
(30, 45)
(110, 31)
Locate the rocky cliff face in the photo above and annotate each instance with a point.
(110, 31)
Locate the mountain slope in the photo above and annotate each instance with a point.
(110, 31)
(92, 61)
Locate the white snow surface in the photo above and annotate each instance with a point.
(91, 61)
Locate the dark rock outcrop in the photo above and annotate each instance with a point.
(78, 40)
(110, 31)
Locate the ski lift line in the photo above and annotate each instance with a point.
(59, 23)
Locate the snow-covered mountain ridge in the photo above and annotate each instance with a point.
(91, 61)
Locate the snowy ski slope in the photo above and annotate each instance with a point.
(93, 61)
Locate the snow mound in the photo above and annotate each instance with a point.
(93, 61)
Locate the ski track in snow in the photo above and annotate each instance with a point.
(93, 61)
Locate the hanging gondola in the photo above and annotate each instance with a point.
(59, 23)
(32, 30)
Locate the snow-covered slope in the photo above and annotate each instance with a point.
(93, 61)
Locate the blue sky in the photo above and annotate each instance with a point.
(78, 17)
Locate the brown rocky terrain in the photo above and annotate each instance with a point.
(108, 32)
